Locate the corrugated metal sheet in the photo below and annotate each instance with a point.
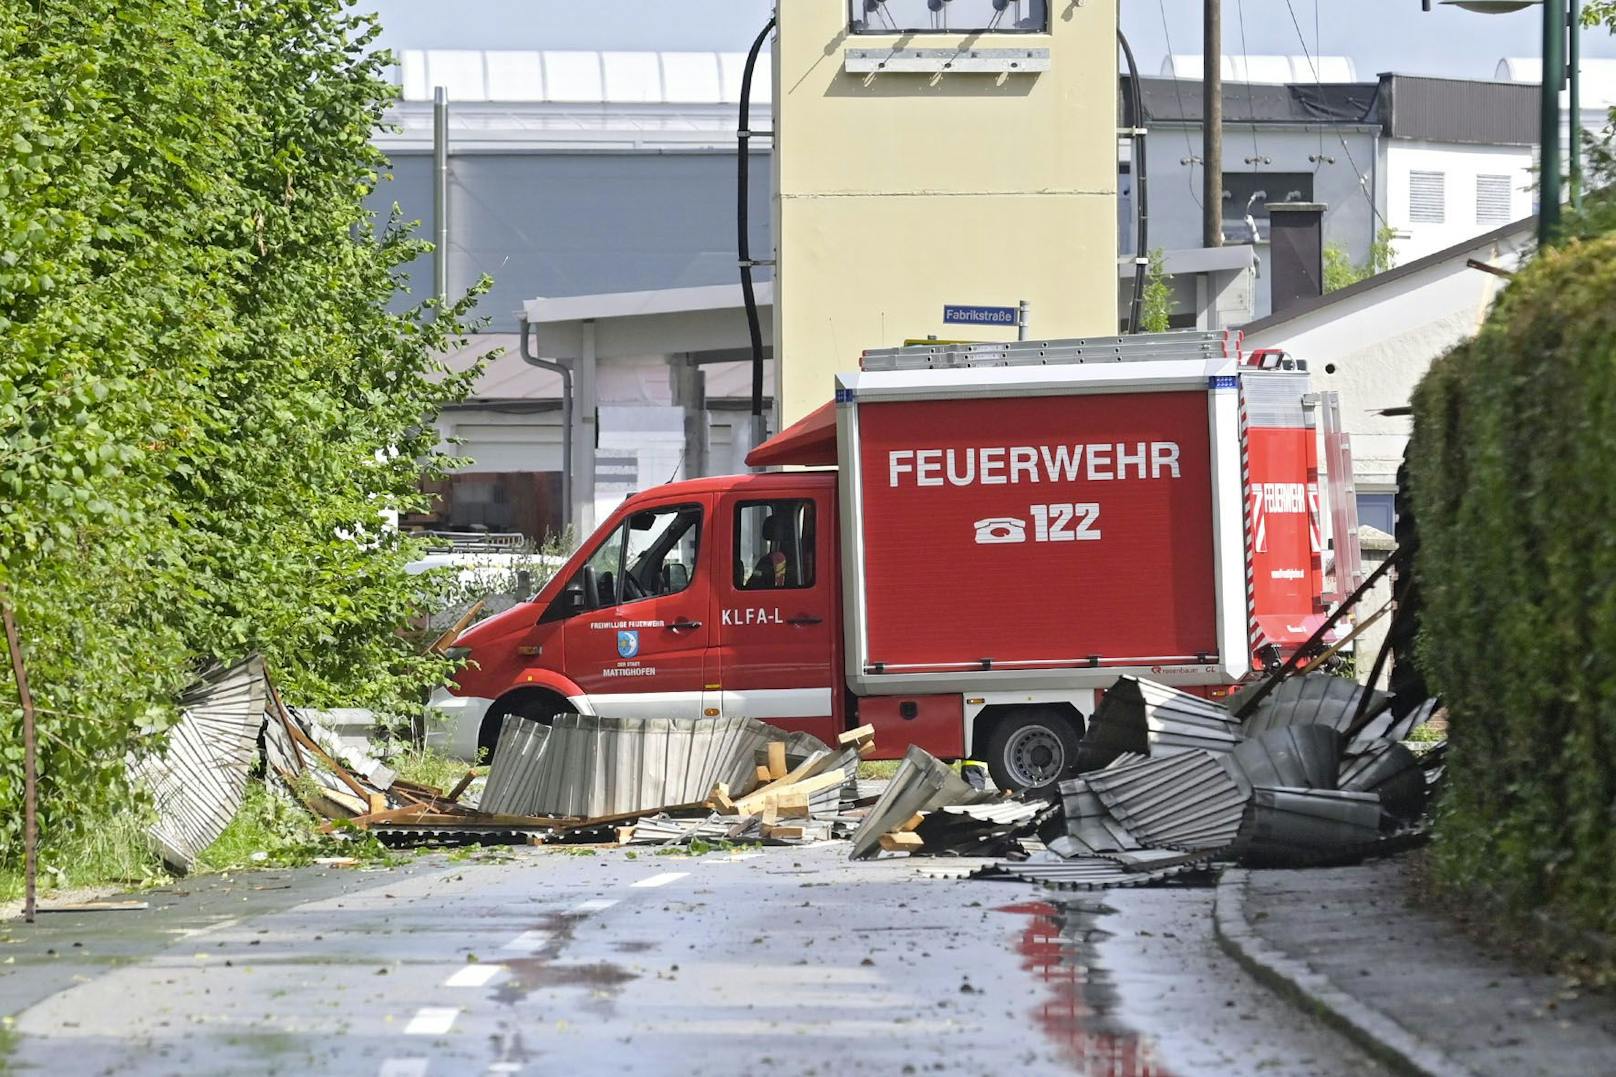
(516, 762)
(1007, 812)
(1153, 719)
(922, 783)
(665, 830)
(1293, 827)
(1314, 698)
(1391, 772)
(1090, 826)
(1460, 110)
(198, 781)
(1296, 755)
(1087, 873)
(590, 766)
(1190, 801)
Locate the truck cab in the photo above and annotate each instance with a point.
(692, 600)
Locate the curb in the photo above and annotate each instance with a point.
(1293, 980)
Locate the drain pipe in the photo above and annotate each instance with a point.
(743, 247)
(1141, 188)
(566, 417)
(440, 194)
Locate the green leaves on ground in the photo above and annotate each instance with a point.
(207, 410)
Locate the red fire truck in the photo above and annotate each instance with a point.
(980, 540)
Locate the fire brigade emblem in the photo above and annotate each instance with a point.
(628, 644)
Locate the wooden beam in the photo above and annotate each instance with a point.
(777, 759)
(853, 736)
(902, 842)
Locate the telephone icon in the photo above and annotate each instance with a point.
(997, 529)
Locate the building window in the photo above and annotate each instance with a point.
(1378, 511)
(1427, 197)
(948, 16)
(774, 544)
(1492, 200)
(489, 508)
(1246, 196)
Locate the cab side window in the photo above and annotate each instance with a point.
(774, 544)
(651, 554)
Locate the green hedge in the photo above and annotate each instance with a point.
(1513, 469)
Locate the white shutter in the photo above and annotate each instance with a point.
(1492, 200)
(1427, 197)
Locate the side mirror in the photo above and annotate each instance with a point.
(572, 599)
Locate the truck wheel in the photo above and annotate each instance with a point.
(535, 705)
(1030, 749)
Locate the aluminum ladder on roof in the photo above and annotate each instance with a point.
(1184, 344)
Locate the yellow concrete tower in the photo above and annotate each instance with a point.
(963, 155)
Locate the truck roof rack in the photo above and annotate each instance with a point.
(1183, 344)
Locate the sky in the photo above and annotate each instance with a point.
(1379, 35)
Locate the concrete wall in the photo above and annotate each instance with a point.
(554, 224)
(1459, 165)
(1175, 188)
(899, 192)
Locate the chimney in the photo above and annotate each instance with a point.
(1296, 252)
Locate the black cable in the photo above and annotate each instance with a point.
(743, 248)
(1141, 251)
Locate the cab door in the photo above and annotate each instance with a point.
(640, 647)
(775, 591)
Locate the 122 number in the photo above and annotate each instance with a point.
(1066, 523)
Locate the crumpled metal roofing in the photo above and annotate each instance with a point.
(1390, 771)
(198, 780)
(1288, 827)
(1321, 698)
(1294, 755)
(665, 830)
(1190, 801)
(1387, 726)
(590, 766)
(516, 761)
(1086, 873)
(922, 783)
(1153, 719)
(1090, 826)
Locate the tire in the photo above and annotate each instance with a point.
(1030, 749)
(534, 705)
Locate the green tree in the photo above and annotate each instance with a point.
(1156, 309)
(206, 405)
(1341, 272)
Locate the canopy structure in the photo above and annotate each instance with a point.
(808, 442)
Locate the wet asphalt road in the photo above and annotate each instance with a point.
(540, 961)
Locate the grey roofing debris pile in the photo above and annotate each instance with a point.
(1314, 774)
(1166, 783)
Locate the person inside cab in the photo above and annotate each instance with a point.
(773, 569)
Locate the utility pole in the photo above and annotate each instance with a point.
(1574, 64)
(1554, 47)
(1212, 125)
(30, 781)
(440, 194)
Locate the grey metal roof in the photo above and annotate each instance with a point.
(588, 766)
(1459, 110)
(1179, 100)
(1142, 716)
(198, 780)
(1087, 873)
(922, 783)
(1315, 697)
(1305, 755)
(1390, 771)
(1090, 826)
(1288, 827)
(1189, 801)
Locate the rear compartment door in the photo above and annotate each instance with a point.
(775, 586)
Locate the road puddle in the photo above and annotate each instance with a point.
(1058, 946)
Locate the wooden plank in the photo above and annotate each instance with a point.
(914, 821)
(853, 736)
(764, 775)
(441, 644)
(796, 831)
(755, 802)
(91, 906)
(777, 759)
(902, 842)
(460, 786)
(718, 800)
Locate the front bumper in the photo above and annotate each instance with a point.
(454, 723)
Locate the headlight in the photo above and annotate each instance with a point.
(457, 654)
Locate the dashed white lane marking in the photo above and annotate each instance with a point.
(661, 880)
(403, 1067)
(528, 942)
(505, 1067)
(474, 976)
(594, 905)
(733, 857)
(432, 1021)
